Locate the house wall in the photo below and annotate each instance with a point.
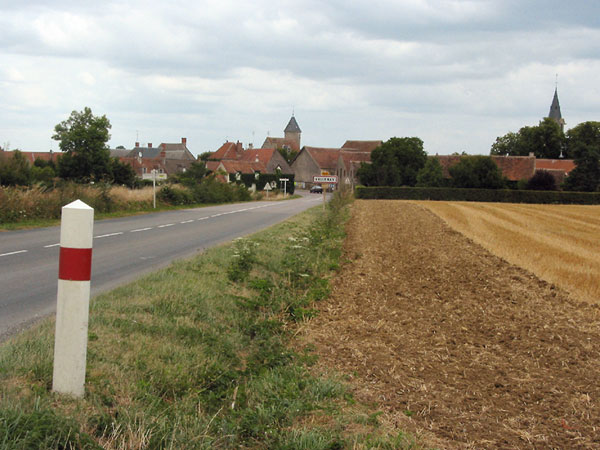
(305, 168)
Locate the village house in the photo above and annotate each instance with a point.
(231, 158)
(166, 159)
(314, 161)
(343, 162)
(352, 155)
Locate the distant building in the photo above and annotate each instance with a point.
(166, 159)
(555, 114)
(291, 139)
(231, 158)
(314, 161)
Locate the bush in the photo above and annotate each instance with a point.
(477, 195)
(248, 179)
(542, 180)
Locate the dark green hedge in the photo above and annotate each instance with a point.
(248, 179)
(478, 195)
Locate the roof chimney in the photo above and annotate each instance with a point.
(184, 140)
(149, 144)
(137, 144)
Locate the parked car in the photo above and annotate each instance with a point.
(316, 189)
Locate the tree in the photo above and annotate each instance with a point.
(431, 175)
(122, 173)
(83, 139)
(288, 154)
(193, 175)
(396, 162)
(476, 172)
(546, 140)
(204, 156)
(584, 144)
(542, 180)
(14, 169)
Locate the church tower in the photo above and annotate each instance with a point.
(293, 131)
(554, 113)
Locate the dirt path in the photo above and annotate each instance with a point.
(453, 342)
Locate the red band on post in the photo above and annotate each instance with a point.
(75, 264)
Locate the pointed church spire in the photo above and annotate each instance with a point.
(292, 126)
(554, 113)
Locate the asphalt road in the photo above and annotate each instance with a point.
(123, 250)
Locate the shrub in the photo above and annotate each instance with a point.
(477, 195)
(542, 180)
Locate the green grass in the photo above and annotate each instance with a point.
(198, 356)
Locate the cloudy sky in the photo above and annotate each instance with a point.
(455, 73)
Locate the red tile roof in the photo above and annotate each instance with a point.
(275, 142)
(263, 155)
(514, 168)
(362, 146)
(352, 156)
(565, 165)
(232, 166)
(32, 156)
(229, 150)
(326, 158)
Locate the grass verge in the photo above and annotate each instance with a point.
(199, 355)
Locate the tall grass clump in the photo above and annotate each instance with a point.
(27, 204)
(199, 355)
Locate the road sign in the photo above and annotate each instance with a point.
(268, 187)
(284, 179)
(325, 179)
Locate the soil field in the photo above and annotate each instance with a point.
(559, 243)
(454, 343)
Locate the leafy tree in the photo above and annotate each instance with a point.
(396, 162)
(204, 156)
(288, 154)
(41, 163)
(542, 180)
(431, 175)
(545, 140)
(193, 175)
(83, 139)
(122, 173)
(584, 144)
(42, 174)
(14, 169)
(476, 172)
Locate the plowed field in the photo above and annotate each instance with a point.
(454, 343)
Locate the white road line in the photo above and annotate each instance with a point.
(216, 215)
(141, 229)
(51, 245)
(166, 225)
(108, 235)
(13, 253)
(186, 221)
(202, 218)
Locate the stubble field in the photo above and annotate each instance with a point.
(455, 343)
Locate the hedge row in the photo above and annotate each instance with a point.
(248, 179)
(478, 195)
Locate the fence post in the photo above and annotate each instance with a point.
(73, 299)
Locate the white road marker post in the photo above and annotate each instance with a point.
(73, 299)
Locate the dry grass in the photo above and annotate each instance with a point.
(558, 243)
(125, 195)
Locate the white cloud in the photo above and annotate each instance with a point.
(456, 72)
